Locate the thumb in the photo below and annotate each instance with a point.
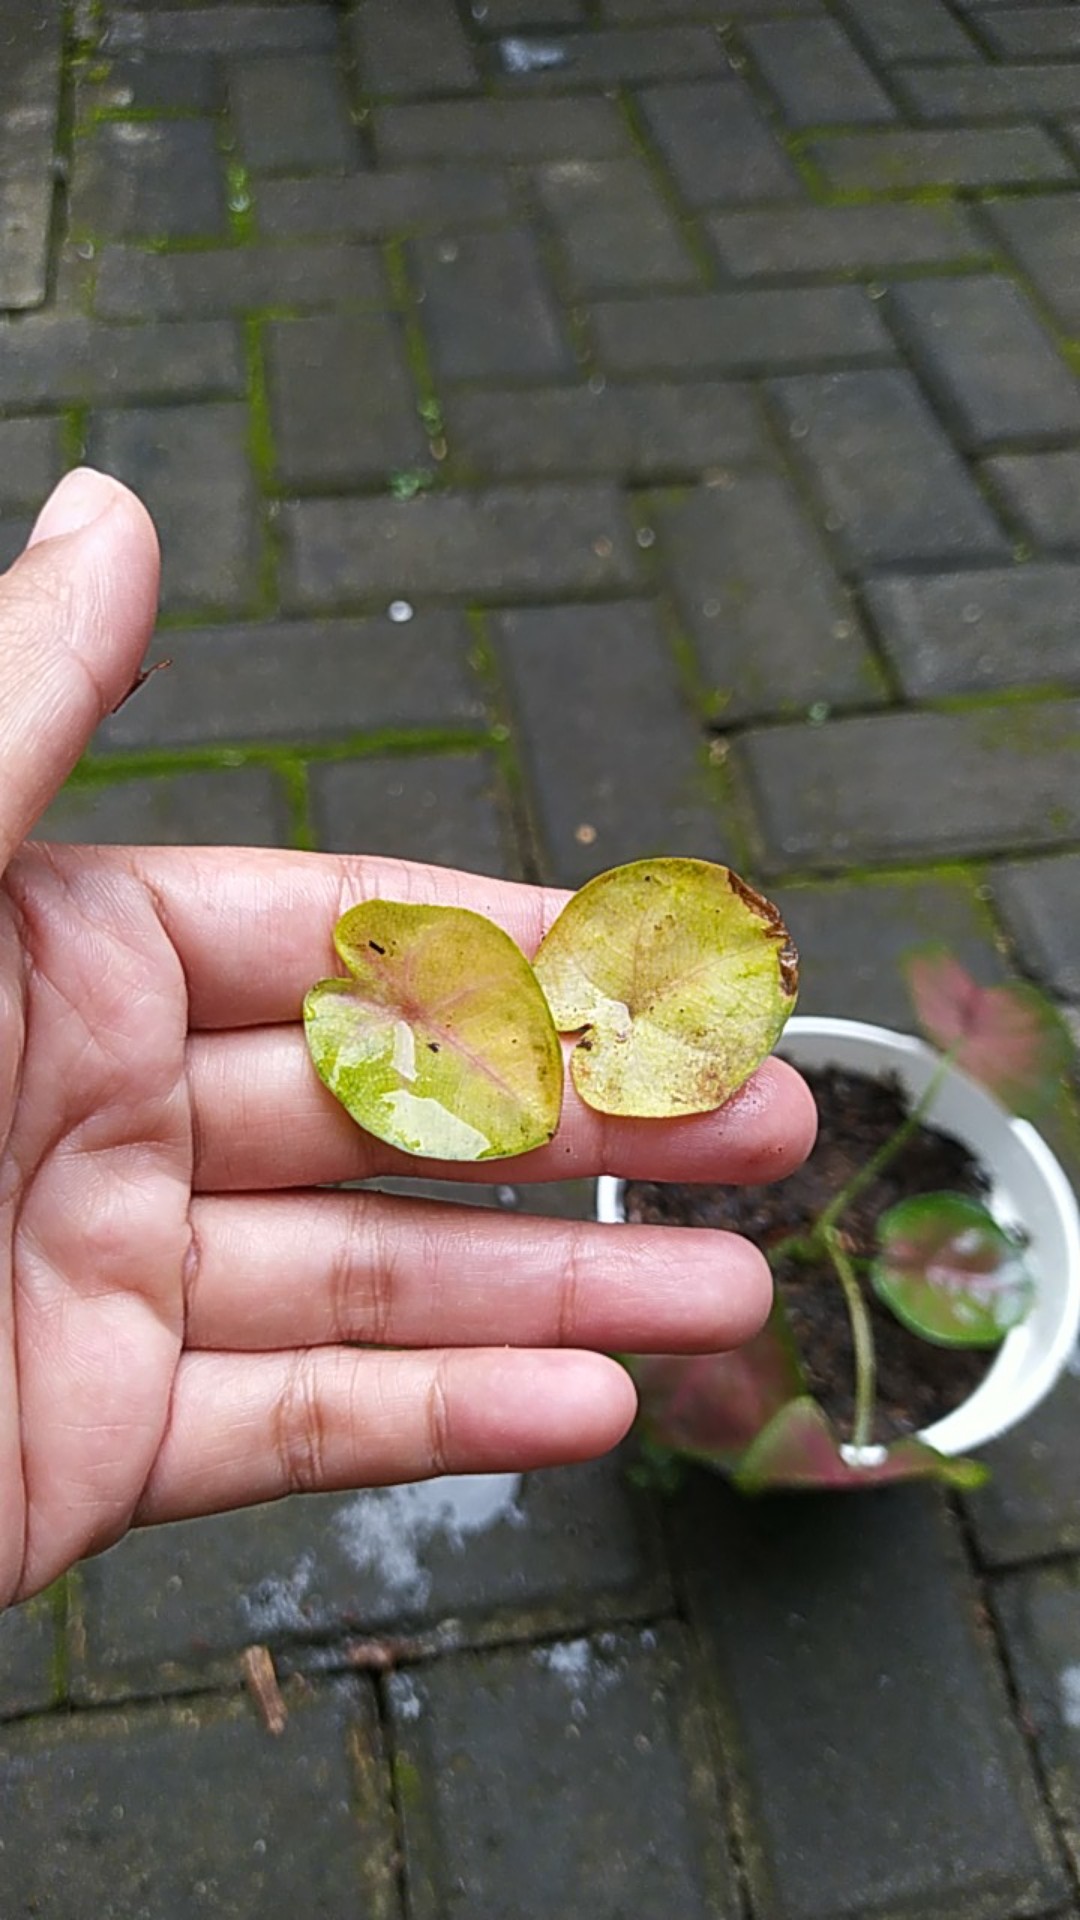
(76, 612)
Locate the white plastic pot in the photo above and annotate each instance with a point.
(1029, 1190)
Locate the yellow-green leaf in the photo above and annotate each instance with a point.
(682, 978)
(440, 1042)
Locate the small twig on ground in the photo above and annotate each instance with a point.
(261, 1681)
(382, 1656)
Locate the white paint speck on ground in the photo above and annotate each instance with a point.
(531, 56)
(406, 1701)
(387, 1531)
(277, 1604)
(582, 1669)
(1070, 1696)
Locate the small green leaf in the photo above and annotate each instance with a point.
(950, 1272)
(441, 1042)
(682, 978)
(800, 1449)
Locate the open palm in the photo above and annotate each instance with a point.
(187, 1322)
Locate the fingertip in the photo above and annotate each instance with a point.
(548, 1409)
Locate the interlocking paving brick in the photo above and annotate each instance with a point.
(31, 42)
(815, 1607)
(1042, 491)
(412, 46)
(1040, 900)
(1030, 1506)
(940, 157)
(342, 403)
(895, 30)
(717, 144)
(614, 226)
(603, 1740)
(223, 29)
(760, 244)
(982, 351)
(173, 1606)
(653, 431)
(238, 807)
(853, 938)
(915, 785)
(1016, 31)
(1043, 234)
(816, 74)
(972, 632)
(623, 12)
(510, 543)
(28, 1657)
(600, 59)
(524, 130)
(134, 285)
(1040, 1617)
(292, 115)
(567, 665)
(487, 308)
(190, 465)
(743, 332)
(615, 58)
(919, 503)
(150, 178)
(442, 808)
(373, 206)
(303, 680)
(248, 1823)
(772, 627)
(14, 534)
(992, 93)
(502, 16)
(143, 82)
(31, 461)
(57, 359)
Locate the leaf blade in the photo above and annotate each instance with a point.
(1010, 1038)
(682, 978)
(440, 1041)
(800, 1450)
(950, 1272)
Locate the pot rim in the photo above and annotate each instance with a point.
(1020, 1376)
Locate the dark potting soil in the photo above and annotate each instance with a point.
(916, 1383)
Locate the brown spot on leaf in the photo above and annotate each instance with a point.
(788, 956)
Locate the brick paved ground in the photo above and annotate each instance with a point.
(702, 376)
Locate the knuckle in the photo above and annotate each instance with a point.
(299, 1428)
(439, 1419)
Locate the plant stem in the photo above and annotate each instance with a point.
(840, 1202)
(862, 1338)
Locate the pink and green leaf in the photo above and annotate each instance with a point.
(1010, 1038)
(679, 978)
(440, 1042)
(711, 1405)
(949, 1272)
(801, 1449)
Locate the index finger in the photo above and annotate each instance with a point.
(253, 928)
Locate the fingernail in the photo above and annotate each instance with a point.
(81, 497)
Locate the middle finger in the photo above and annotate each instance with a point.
(303, 1270)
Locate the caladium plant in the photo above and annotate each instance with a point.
(676, 979)
(948, 1270)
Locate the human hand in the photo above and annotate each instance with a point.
(186, 1323)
